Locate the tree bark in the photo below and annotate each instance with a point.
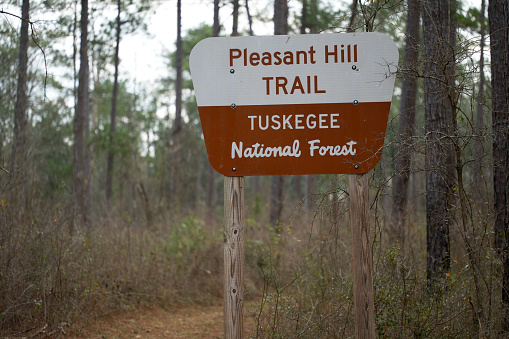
(235, 14)
(81, 111)
(304, 17)
(178, 101)
(20, 109)
(313, 25)
(276, 200)
(310, 192)
(406, 128)
(113, 121)
(249, 19)
(498, 16)
(437, 55)
(479, 121)
(278, 181)
(177, 125)
(216, 27)
(280, 17)
(500, 103)
(353, 15)
(211, 173)
(297, 190)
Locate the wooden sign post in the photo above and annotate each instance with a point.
(292, 105)
(233, 257)
(361, 256)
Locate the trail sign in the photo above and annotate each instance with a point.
(287, 105)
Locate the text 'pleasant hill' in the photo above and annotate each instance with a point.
(281, 85)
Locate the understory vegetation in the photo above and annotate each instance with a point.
(55, 278)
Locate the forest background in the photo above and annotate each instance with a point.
(108, 202)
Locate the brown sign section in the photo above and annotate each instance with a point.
(294, 139)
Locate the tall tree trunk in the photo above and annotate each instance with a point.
(498, 16)
(20, 109)
(313, 25)
(216, 26)
(235, 14)
(278, 182)
(297, 190)
(309, 21)
(351, 23)
(255, 185)
(211, 196)
(499, 80)
(479, 121)
(113, 121)
(437, 55)
(276, 200)
(304, 25)
(304, 17)
(177, 125)
(280, 17)
(249, 19)
(211, 173)
(87, 157)
(88, 149)
(406, 128)
(81, 112)
(310, 192)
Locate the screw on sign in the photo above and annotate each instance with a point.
(287, 105)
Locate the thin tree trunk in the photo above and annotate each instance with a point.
(309, 20)
(211, 196)
(216, 26)
(498, 17)
(276, 201)
(177, 126)
(211, 173)
(313, 25)
(353, 15)
(280, 17)
(198, 188)
(479, 122)
(277, 182)
(113, 122)
(75, 53)
(297, 190)
(304, 17)
(235, 14)
(310, 192)
(20, 109)
(406, 128)
(499, 79)
(249, 19)
(88, 149)
(81, 111)
(178, 101)
(255, 185)
(437, 53)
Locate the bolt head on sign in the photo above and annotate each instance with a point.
(288, 105)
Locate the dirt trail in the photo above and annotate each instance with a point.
(189, 322)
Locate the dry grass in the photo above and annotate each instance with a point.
(298, 283)
(50, 277)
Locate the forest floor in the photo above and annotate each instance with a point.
(186, 322)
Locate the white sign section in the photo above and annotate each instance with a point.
(309, 68)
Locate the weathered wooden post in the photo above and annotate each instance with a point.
(361, 256)
(233, 257)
